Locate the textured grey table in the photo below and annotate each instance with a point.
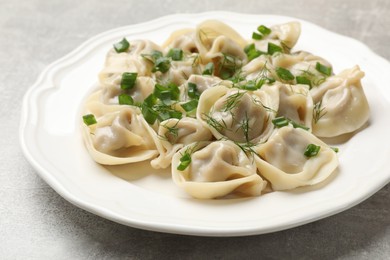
(36, 223)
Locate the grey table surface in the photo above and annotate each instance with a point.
(36, 223)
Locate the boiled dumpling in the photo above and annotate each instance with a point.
(173, 134)
(119, 137)
(282, 160)
(341, 105)
(296, 104)
(215, 39)
(284, 35)
(129, 61)
(143, 87)
(238, 115)
(216, 169)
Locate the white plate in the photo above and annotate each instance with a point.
(138, 196)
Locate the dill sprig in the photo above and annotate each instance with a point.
(318, 112)
(217, 125)
(232, 101)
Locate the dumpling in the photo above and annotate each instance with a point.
(120, 137)
(215, 170)
(296, 104)
(182, 39)
(260, 67)
(302, 64)
(284, 35)
(340, 104)
(129, 61)
(173, 134)
(204, 82)
(179, 72)
(215, 39)
(238, 115)
(282, 160)
(143, 87)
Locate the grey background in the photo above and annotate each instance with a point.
(36, 223)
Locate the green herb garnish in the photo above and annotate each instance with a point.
(190, 105)
(273, 48)
(122, 46)
(256, 36)
(193, 91)
(264, 30)
(312, 150)
(208, 69)
(251, 52)
(303, 80)
(175, 54)
(128, 80)
(284, 74)
(89, 119)
(280, 121)
(323, 69)
(124, 99)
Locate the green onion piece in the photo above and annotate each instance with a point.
(296, 125)
(175, 54)
(280, 121)
(122, 46)
(89, 119)
(256, 36)
(147, 109)
(185, 161)
(270, 80)
(252, 52)
(303, 80)
(208, 69)
(264, 30)
(162, 64)
(166, 93)
(125, 99)
(250, 85)
(335, 149)
(284, 74)
(312, 150)
(156, 54)
(175, 114)
(323, 69)
(128, 80)
(273, 48)
(193, 90)
(190, 105)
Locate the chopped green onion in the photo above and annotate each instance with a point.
(190, 105)
(303, 80)
(89, 119)
(273, 48)
(312, 150)
(208, 69)
(125, 99)
(280, 121)
(156, 54)
(147, 109)
(284, 74)
(335, 149)
(264, 30)
(175, 54)
(256, 36)
(128, 80)
(252, 52)
(323, 69)
(122, 46)
(193, 90)
(167, 93)
(296, 125)
(162, 64)
(185, 161)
